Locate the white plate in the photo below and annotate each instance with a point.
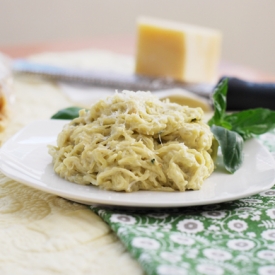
(25, 158)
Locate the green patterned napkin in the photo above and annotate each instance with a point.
(235, 237)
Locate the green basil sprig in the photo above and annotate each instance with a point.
(67, 113)
(231, 130)
(254, 121)
(219, 102)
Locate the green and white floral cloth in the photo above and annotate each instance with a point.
(235, 237)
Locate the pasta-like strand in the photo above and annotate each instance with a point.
(132, 141)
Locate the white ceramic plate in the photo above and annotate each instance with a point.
(25, 158)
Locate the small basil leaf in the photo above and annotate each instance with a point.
(231, 144)
(67, 113)
(254, 121)
(219, 102)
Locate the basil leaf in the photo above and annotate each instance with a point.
(219, 102)
(67, 113)
(254, 121)
(231, 144)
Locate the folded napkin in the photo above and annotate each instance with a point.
(235, 237)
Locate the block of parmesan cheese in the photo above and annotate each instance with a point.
(175, 50)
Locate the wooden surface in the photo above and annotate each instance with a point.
(126, 45)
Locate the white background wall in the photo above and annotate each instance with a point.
(248, 26)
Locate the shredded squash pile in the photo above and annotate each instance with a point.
(133, 141)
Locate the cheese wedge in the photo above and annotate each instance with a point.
(175, 50)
